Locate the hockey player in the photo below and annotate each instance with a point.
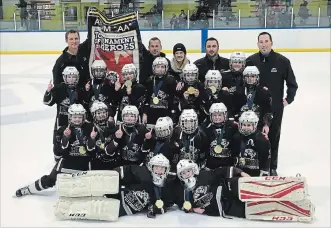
(160, 93)
(192, 95)
(63, 95)
(213, 85)
(220, 131)
(256, 98)
(141, 188)
(77, 145)
(192, 141)
(251, 147)
(129, 138)
(99, 88)
(161, 143)
(131, 92)
(233, 78)
(105, 129)
(228, 191)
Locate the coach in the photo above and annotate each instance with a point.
(75, 54)
(274, 70)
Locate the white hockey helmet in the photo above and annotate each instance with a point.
(237, 61)
(160, 61)
(248, 123)
(70, 76)
(216, 111)
(190, 74)
(130, 115)
(187, 170)
(76, 115)
(99, 112)
(129, 72)
(99, 69)
(164, 127)
(159, 161)
(188, 121)
(213, 78)
(251, 76)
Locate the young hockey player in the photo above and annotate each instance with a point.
(228, 191)
(130, 190)
(63, 95)
(220, 131)
(233, 78)
(161, 143)
(192, 95)
(213, 85)
(192, 141)
(131, 92)
(129, 138)
(251, 147)
(161, 89)
(105, 129)
(99, 88)
(77, 145)
(256, 98)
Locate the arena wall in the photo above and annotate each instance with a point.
(285, 40)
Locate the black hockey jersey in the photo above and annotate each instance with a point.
(252, 152)
(220, 139)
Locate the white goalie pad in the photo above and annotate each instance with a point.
(272, 188)
(87, 208)
(88, 183)
(301, 211)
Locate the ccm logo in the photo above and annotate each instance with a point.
(78, 174)
(275, 178)
(282, 218)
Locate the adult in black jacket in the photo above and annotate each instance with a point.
(212, 60)
(274, 70)
(148, 56)
(76, 55)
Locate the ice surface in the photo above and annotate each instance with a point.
(26, 145)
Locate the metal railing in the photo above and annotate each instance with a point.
(224, 18)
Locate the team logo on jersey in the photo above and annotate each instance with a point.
(202, 196)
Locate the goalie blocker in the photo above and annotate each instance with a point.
(276, 198)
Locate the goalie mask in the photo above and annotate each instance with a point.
(99, 69)
(213, 80)
(187, 171)
(188, 121)
(160, 67)
(70, 76)
(237, 61)
(164, 127)
(130, 115)
(76, 115)
(129, 72)
(251, 76)
(248, 123)
(190, 74)
(159, 167)
(218, 114)
(99, 111)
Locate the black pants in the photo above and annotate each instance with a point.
(274, 135)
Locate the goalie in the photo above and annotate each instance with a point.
(129, 190)
(228, 191)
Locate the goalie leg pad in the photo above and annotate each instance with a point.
(88, 183)
(87, 208)
(272, 188)
(302, 211)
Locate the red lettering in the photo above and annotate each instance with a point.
(282, 218)
(275, 178)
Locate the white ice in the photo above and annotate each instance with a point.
(26, 146)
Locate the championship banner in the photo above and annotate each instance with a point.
(115, 40)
